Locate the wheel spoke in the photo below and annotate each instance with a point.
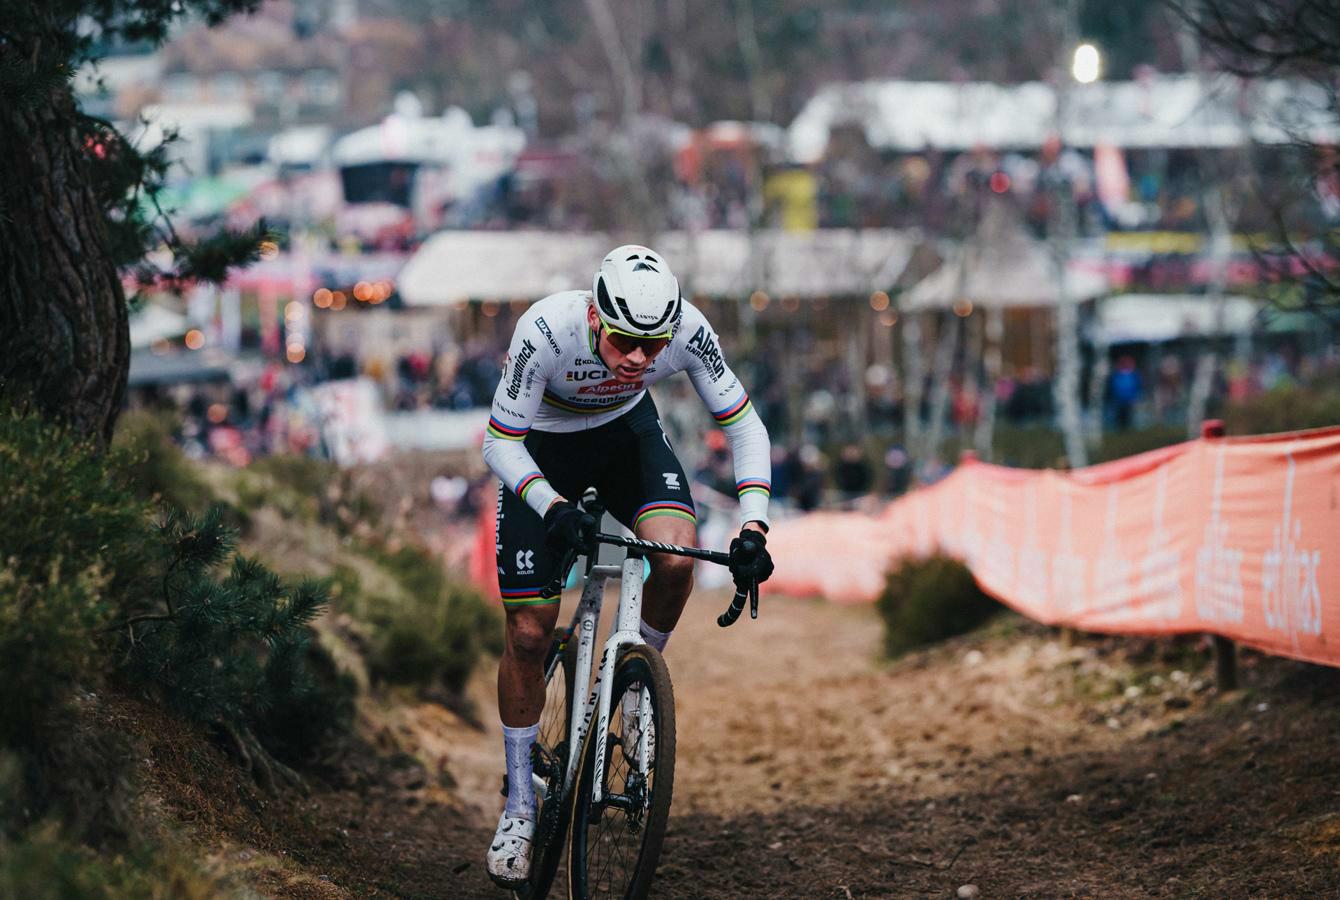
(611, 841)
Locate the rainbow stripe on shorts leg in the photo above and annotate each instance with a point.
(735, 412)
(500, 429)
(527, 482)
(528, 596)
(754, 486)
(665, 508)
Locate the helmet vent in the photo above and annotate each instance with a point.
(603, 300)
(645, 267)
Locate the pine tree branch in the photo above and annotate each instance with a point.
(128, 623)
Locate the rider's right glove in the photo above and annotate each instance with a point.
(750, 562)
(568, 528)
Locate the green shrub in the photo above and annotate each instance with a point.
(71, 544)
(928, 600)
(43, 864)
(1286, 408)
(308, 489)
(1120, 444)
(81, 772)
(48, 645)
(312, 705)
(64, 511)
(153, 464)
(232, 648)
(81, 554)
(434, 632)
(305, 476)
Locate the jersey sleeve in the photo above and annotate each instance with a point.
(728, 402)
(514, 404)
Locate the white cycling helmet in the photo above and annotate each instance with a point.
(635, 293)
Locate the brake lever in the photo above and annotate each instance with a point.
(555, 587)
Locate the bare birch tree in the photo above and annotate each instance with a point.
(1060, 236)
(1220, 210)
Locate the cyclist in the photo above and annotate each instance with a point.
(572, 410)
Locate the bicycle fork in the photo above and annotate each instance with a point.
(627, 632)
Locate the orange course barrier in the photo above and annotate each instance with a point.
(1232, 536)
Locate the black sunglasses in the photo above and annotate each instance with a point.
(627, 343)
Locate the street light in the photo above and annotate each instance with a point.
(1087, 65)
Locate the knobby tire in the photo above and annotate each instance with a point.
(607, 857)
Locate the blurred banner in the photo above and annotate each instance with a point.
(351, 420)
(1223, 535)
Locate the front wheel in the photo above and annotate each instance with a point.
(615, 844)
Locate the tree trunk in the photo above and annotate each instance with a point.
(914, 383)
(984, 438)
(1218, 210)
(1061, 233)
(942, 370)
(64, 333)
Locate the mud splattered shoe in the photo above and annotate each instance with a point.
(632, 728)
(508, 862)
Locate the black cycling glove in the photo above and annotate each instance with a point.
(569, 528)
(750, 562)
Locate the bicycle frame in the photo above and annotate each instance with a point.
(624, 632)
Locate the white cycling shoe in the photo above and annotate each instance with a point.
(632, 729)
(508, 861)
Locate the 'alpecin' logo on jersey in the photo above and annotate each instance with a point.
(610, 387)
(704, 346)
(523, 357)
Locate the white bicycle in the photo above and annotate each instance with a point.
(611, 800)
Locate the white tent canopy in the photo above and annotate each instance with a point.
(1163, 111)
(987, 280)
(1148, 318)
(154, 323)
(1001, 266)
(456, 266)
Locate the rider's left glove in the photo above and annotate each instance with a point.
(750, 562)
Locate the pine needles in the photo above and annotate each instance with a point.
(229, 644)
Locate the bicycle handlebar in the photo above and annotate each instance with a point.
(713, 556)
(737, 606)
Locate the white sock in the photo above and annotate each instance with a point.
(520, 790)
(657, 639)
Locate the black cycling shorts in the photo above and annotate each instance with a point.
(629, 461)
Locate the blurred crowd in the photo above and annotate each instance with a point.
(857, 186)
(838, 436)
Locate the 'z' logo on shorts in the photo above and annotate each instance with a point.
(525, 561)
(671, 480)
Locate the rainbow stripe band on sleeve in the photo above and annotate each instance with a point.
(527, 483)
(665, 508)
(525, 597)
(734, 413)
(506, 432)
(754, 486)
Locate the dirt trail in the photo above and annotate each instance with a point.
(809, 768)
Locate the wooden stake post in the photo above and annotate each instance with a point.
(1225, 651)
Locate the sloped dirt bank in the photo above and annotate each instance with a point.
(807, 767)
